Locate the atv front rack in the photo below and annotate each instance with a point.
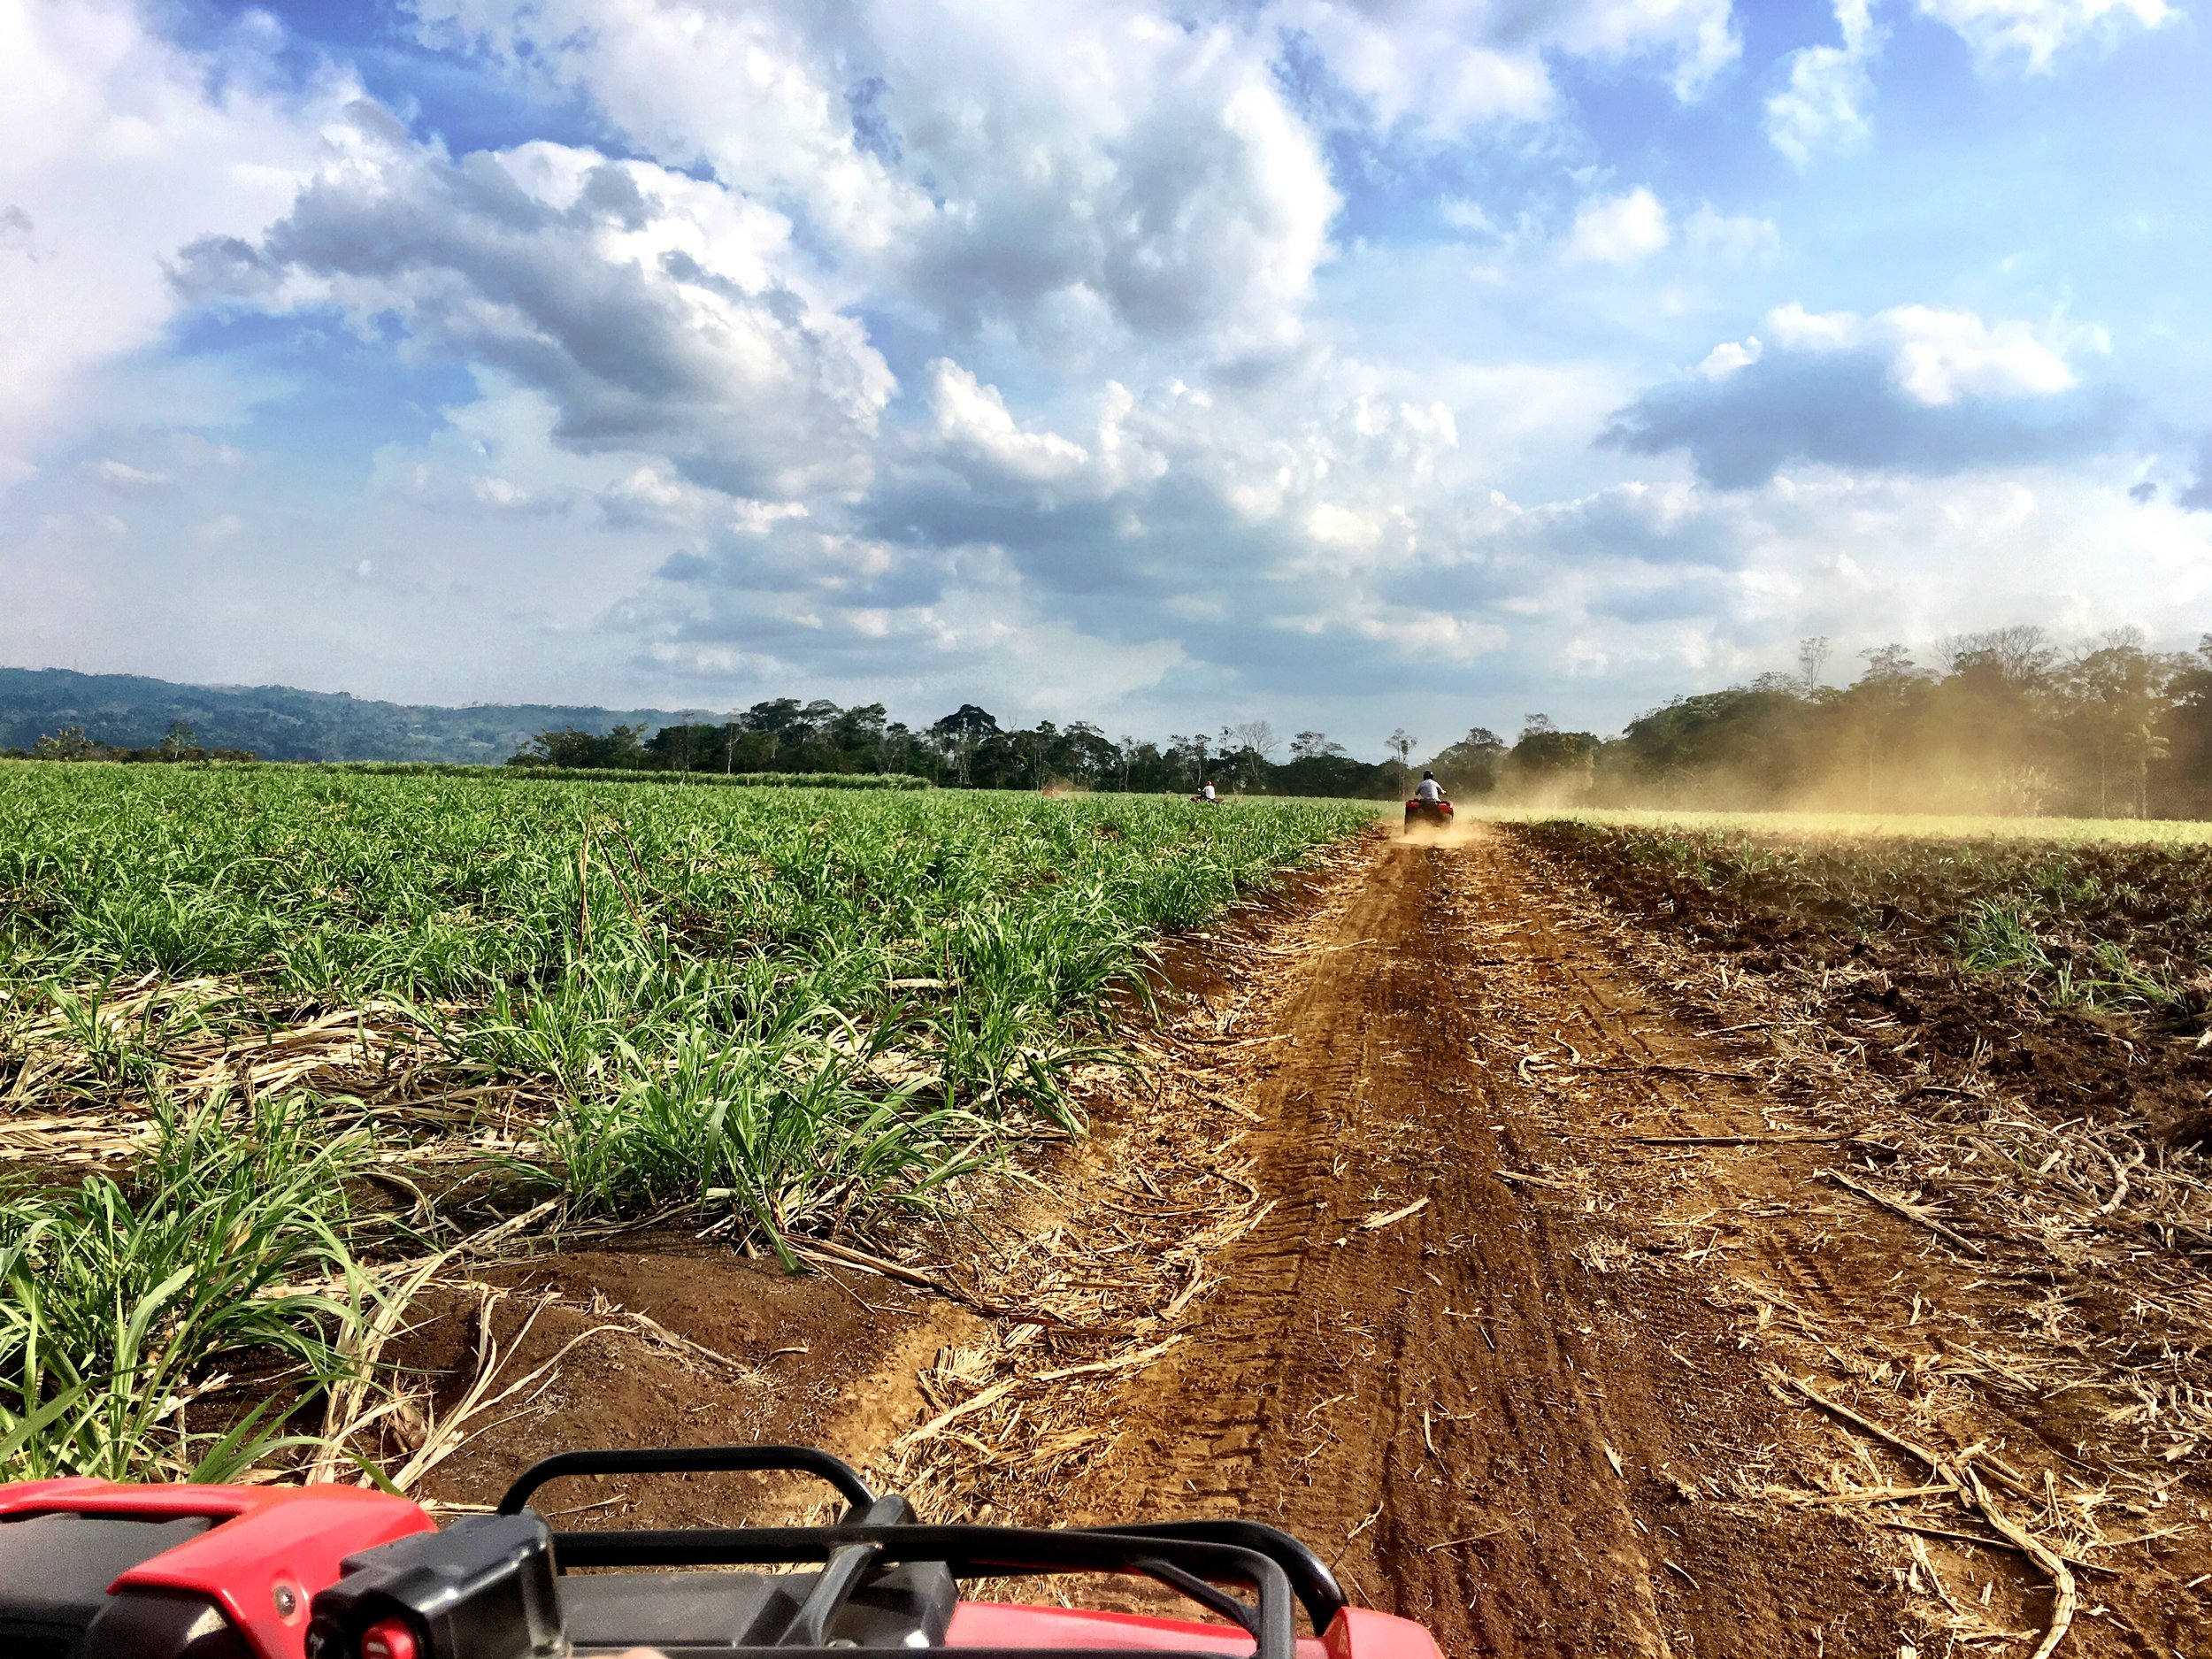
(100, 1570)
(885, 1583)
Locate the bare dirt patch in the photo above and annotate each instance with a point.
(660, 1342)
(2007, 1237)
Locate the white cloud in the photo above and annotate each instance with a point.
(647, 495)
(1735, 239)
(758, 518)
(654, 311)
(1149, 390)
(116, 147)
(973, 421)
(1728, 356)
(503, 495)
(1336, 526)
(1943, 356)
(2034, 32)
(1464, 215)
(1619, 229)
(1431, 634)
(192, 450)
(1445, 64)
(1797, 329)
(974, 432)
(1661, 579)
(121, 475)
(1823, 110)
(1095, 173)
(1074, 168)
(1937, 357)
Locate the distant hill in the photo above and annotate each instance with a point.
(278, 723)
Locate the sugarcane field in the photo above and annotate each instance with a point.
(1592, 1233)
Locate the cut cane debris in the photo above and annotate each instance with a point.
(1376, 1222)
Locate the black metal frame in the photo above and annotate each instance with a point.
(1192, 1557)
(686, 1460)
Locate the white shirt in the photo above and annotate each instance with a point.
(1208, 792)
(1428, 791)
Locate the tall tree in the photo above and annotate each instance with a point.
(2118, 691)
(1258, 736)
(1878, 702)
(1812, 656)
(961, 734)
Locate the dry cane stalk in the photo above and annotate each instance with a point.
(1966, 1483)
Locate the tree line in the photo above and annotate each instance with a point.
(2005, 720)
(71, 743)
(2009, 720)
(970, 749)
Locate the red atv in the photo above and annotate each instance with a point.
(94, 1570)
(1435, 814)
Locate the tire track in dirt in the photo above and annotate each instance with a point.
(1484, 1432)
(1964, 1343)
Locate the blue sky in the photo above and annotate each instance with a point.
(1348, 364)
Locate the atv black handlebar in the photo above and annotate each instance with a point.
(1310, 1579)
(683, 1460)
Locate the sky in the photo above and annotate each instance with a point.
(1349, 364)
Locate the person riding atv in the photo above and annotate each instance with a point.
(1206, 795)
(1428, 805)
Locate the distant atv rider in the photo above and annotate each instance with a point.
(1429, 808)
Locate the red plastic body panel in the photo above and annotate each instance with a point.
(997, 1624)
(267, 1540)
(270, 1539)
(1356, 1634)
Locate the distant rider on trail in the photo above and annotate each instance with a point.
(1428, 807)
(1206, 793)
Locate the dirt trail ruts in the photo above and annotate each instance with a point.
(1483, 1430)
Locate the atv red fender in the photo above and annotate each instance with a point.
(93, 1567)
(1354, 1634)
(94, 1570)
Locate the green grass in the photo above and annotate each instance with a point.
(602, 775)
(808, 1004)
(522, 774)
(223, 1262)
(1995, 938)
(790, 1010)
(2156, 831)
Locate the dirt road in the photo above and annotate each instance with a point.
(1488, 1429)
